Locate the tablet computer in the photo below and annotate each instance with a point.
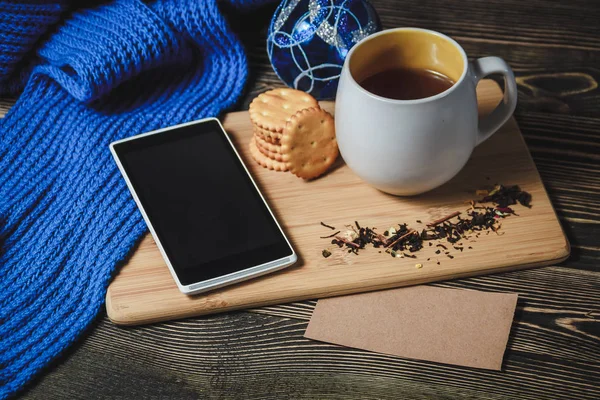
(210, 222)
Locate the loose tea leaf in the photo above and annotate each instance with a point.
(348, 242)
(452, 228)
(326, 253)
(446, 218)
(401, 238)
(330, 236)
(506, 196)
(327, 226)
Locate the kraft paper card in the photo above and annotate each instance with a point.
(452, 326)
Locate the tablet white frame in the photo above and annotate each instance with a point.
(220, 281)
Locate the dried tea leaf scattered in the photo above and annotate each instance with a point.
(329, 236)
(402, 241)
(327, 226)
(504, 196)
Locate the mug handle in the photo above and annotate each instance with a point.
(490, 65)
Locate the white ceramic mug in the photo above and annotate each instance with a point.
(407, 147)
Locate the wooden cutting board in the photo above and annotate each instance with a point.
(144, 291)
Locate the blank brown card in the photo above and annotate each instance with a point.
(451, 326)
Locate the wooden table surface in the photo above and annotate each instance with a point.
(554, 347)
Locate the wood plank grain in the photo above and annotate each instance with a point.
(537, 288)
(245, 355)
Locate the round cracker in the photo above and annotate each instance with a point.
(270, 147)
(308, 144)
(271, 155)
(263, 160)
(271, 110)
(267, 136)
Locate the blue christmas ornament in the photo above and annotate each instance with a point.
(309, 39)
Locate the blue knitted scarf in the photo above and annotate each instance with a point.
(88, 76)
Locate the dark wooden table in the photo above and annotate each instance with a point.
(554, 347)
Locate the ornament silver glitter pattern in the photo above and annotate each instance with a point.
(308, 41)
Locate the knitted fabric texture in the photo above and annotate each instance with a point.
(88, 77)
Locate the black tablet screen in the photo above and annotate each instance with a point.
(205, 210)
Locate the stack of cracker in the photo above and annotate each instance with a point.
(292, 133)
